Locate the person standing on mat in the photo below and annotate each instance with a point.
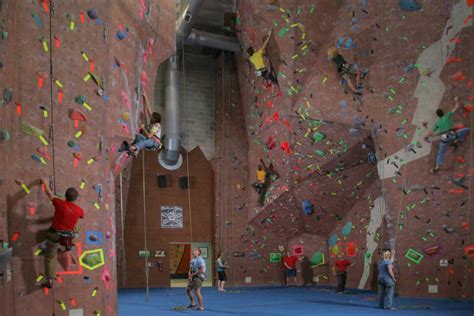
(386, 280)
(340, 270)
(289, 263)
(62, 230)
(196, 276)
(221, 266)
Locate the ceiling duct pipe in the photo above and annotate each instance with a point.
(170, 157)
(211, 40)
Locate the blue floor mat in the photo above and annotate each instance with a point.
(266, 301)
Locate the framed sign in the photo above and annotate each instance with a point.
(160, 254)
(171, 217)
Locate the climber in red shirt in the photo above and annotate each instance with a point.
(289, 262)
(340, 270)
(62, 230)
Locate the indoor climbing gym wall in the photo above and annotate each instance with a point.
(71, 73)
(354, 170)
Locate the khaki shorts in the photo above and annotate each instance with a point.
(195, 283)
(348, 71)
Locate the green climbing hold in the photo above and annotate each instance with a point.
(320, 153)
(317, 259)
(7, 95)
(71, 144)
(5, 135)
(31, 130)
(318, 136)
(283, 31)
(80, 99)
(275, 257)
(346, 230)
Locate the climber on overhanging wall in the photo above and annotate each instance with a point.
(145, 138)
(260, 184)
(256, 58)
(346, 70)
(63, 229)
(448, 134)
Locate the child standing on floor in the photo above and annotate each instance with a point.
(221, 266)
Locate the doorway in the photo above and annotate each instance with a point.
(180, 255)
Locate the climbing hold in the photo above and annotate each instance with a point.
(92, 14)
(121, 35)
(125, 116)
(76, 115)
(5, 135)
(317, 259)
(333, 240)
(409, 5)
(318, 136)
(31, 130)
(7, 95)
(346, 230)
(308, 207)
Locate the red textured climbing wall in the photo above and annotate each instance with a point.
(430, 214)
(56, 57)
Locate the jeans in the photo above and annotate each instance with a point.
(386, 289)
(143, 142)
(341, 281)
(460, 134)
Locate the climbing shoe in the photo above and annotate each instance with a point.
(124, 147)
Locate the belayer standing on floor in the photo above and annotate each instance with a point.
(346, 70)
(221, 267)
(289, 262)
(62, 230)
(340, 270)
(196, 277)
(448, 135)
(256, 58)
(146, 138)
(386, 281)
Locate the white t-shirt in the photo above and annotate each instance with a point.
(155, 129)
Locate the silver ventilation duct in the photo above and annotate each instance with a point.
(170, 157)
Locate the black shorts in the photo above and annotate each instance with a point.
(221, 275)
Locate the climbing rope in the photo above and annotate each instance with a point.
(145, 229)
(187, 153)
(471, 174)
(122, 228)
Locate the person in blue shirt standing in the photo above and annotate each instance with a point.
(196, 276)
(386, 281)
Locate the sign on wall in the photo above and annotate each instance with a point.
(171, 217)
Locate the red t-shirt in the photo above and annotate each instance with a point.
(290, 261)
(341, 265)
(66, 215)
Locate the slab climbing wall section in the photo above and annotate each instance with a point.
(70, 76)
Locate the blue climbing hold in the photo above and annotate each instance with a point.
(346, 230)
(307, 207)
(409, 5)
(333, 240)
